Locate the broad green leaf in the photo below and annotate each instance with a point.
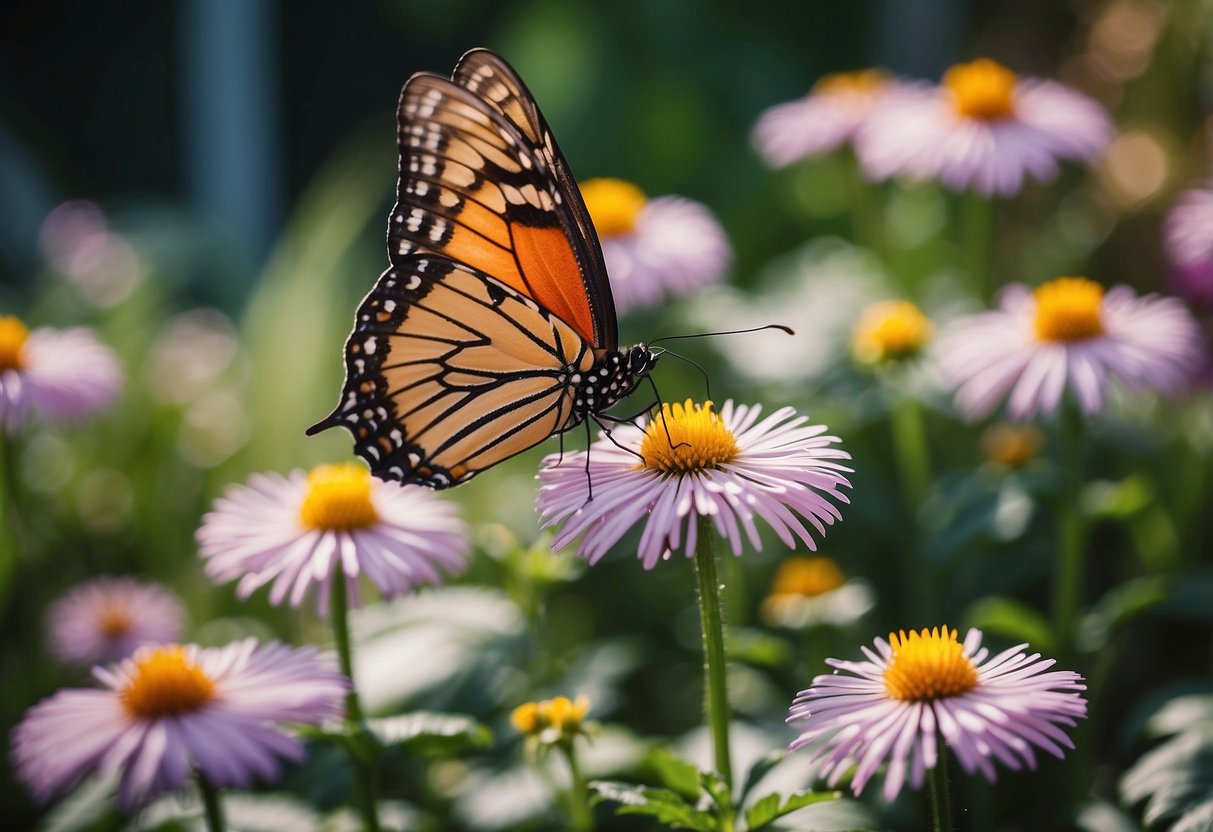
(662, 805)
(1117, 607)
(1012, 619)
(769, 808)
(676, 773)
(1175, 779)
(427, 732)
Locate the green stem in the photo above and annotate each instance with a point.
(914, 472)
(941, 798)
(866, 206)
(977, 223)
(1068, 580)
(714, 668)
(581, 816)
(361, 754)
(212, 804)
(10, 515)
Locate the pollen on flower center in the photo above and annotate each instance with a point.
(1068, 309)
(861, 82)
(687, 437)
(338, 498)
(890, 331)
(613, 204)
(114, 621)
(983, 90)
(928, 665)
(13, 335)
(807, 576)
(166, 683)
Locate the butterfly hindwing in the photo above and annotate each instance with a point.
(482, 182)
(450, 371)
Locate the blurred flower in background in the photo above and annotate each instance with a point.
(1188, 246)
(983, 128)
(892, 709)
(822, 121)
(812, 591)
(172, 711)
(556, 721)
(891, 331)
(1011, 446)
(61, 376)
(669, 246)
(104, 620)
(690, 462)
(76, 238)
(1067, 334)
(296, 531)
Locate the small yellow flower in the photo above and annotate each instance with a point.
(553, 721)
(892, 330)
(1012, 446)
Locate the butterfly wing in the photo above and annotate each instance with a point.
(482, 181)
(450, 371)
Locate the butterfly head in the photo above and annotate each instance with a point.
(640, 360)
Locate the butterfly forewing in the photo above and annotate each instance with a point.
(435, 399)
(482, 181)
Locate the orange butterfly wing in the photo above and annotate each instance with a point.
(483, 182)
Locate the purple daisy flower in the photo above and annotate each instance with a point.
(916, 688)
(982, 129)
(1067, 334)
(171, 711)
(823, 120)
(295, 531)
(1188, 245)
(689, 463)
(105, 619)
(654, 248)
(62, 375)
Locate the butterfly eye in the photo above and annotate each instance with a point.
(640, 360)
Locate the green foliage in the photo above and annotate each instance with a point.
(1175, 779)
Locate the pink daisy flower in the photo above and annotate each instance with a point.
(104, 620)
(919, 687)
(61, 375)
(654, 248)
(295, 531)
(171, 711)
(1067, 334)
(982, 129)
(729, 467)
(1188, 245)
(823, 120)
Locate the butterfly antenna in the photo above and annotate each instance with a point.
(780, 327)
(707, 382)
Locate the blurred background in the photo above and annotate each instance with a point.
(207, 183)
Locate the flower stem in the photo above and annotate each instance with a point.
(914, 472)
(866, 206)
(941, 798)
(212, 804)
(977, 222)
(361, 755)
(1068, 580)
(714, 668)
(10, 514)
(581, 816)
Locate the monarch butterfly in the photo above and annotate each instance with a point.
(494, 327)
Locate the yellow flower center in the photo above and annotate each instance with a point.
(1012, 445)
(613, 205)
(861, 82)
(166, 683)
(808, 576)
(113, 621)
(560, 718)
(685, 438)
(982, 90)
(891, 330)
(338, 498)
(1068, 309)
(13, 335)
(928, 665)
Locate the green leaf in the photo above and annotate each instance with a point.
(676, 773)
(1119, 606)
(769, 808)
(1012, 619)
(428, 732)
(662, 805)
(760, 770)
(1175, 779)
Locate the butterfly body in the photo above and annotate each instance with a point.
(494, 327)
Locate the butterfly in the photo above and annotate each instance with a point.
(494, 327)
